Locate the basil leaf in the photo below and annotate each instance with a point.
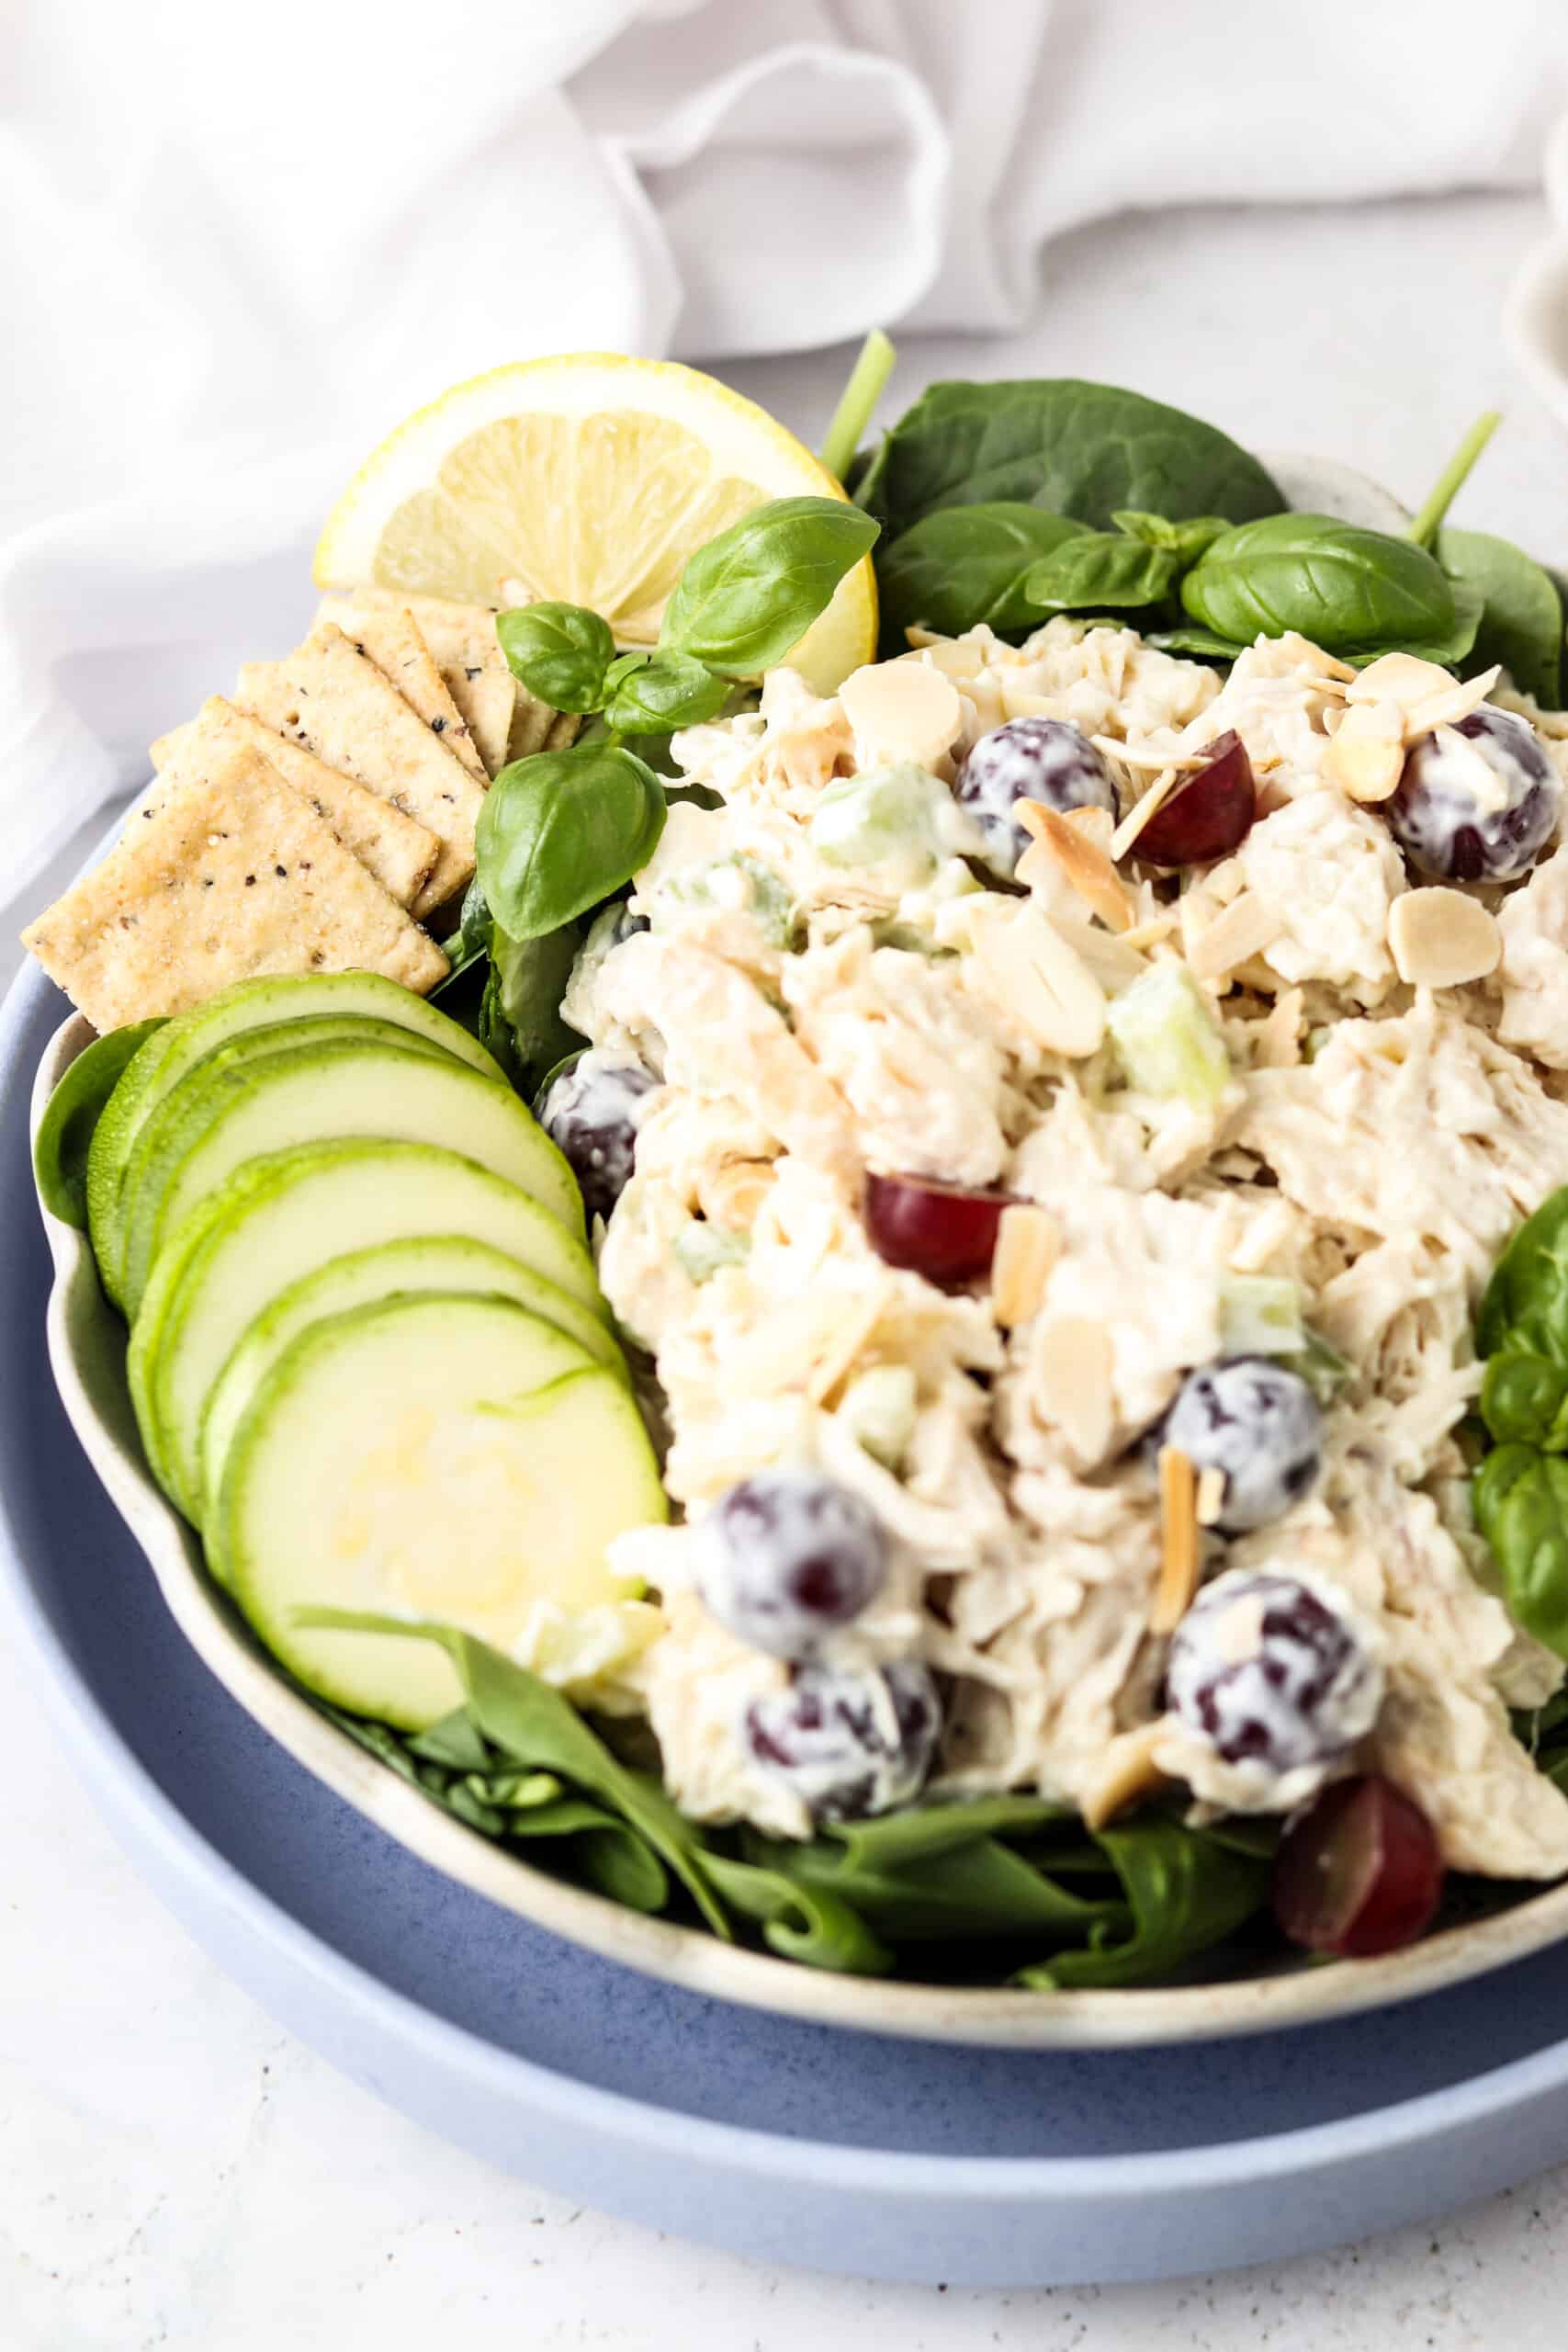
(1520, 1498)
(654, 694)
(559, 652)
(745, 600)
(966, 565)
(1185, 541)
(1525, 1304)
(1185, 1891)
(534, 1724)
(1340, 585)
(65, 1131)
(1521, 620)
(1101, 568)
(1524, 1398)
(1088, 450)
(561, 830)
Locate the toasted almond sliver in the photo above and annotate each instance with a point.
(1029, 1243)
(1127, 1772)
(1085, 862)
(1247, 926)
(1181, 1553)
(851, 1335)
(1453, 701)
(1440, 939)
(901, 710)
(1150, 933)
(1144, 811)
(1210, 1495)
(1042, 982)
(1366, 754)
(1402, 678)
(1071, 1363)
(1277, 1043)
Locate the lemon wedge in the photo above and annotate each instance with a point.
(591, 478)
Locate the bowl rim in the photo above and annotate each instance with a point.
(86, 1353)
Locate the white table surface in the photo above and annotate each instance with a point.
(175, 2171)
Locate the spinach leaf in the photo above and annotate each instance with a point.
(1521, 620)
(534, 1725)
(1185, 541)
(470, 944)
(559, 652)
(1087, 450)
(942, 1872)
(527, 980)
(799, 1921)
(1347, 589)
(1523, 1400)
(1521, 1506)
(1186, 1892)
(1526, 1302)
(1197, 644)
(654, 694)
(748, 597)
(74, 1110)
(563, 830)
(966, 565)
(1102, 569)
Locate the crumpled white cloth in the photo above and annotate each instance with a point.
(238, 236)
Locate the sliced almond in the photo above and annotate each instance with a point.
(1246, 927)
(1466, 769)
(1144, 810)
(1127, 1772)
(848, 1341)
(1211, 1496)
(1440, 939)
(1029, 1243)
(1181, 1546)
(1278, 1042)
(1366, 754)
(1453, 701)
(1086, 863)
(1070, 1365)
(1033, 973)
(901, 710)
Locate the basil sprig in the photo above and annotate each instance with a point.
(563, 830)
(1520, 1492)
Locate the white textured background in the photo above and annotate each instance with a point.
(176, 2172)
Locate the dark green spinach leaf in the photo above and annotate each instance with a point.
(800, 1922)
(1185, 1891)
(748, 597)
(74, 1110)
(559, 652)
(1087, 450)
(529, 979)
(1102, 570)
(1521, 620)
(966, 565)
(1185, 541)
(561, 830)
(1349, 590)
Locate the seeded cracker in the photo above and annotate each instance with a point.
(226, 876)
(333, 698)
(393, 847)
(462, 644)
(391, 637)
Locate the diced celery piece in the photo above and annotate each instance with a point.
(1169, 1042)
(878, 1409)
(702, 1248)
(1260, 1315)
(902, 819)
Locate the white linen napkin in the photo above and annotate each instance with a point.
(237, 240)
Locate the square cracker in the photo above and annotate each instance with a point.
(333, 698)
(393, 847)
(225, 875)
(391, 636)
(461, 638)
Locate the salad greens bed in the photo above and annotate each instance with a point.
(1001, 503)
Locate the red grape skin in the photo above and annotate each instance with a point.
(1208, 817)
(1360, 1871)
(944, 1231)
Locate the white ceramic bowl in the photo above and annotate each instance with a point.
(86, 1344)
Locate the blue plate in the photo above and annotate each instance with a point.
(784, 2141)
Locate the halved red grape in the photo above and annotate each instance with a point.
(1208, 817)
(946, 1232)
(1360, 1871)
